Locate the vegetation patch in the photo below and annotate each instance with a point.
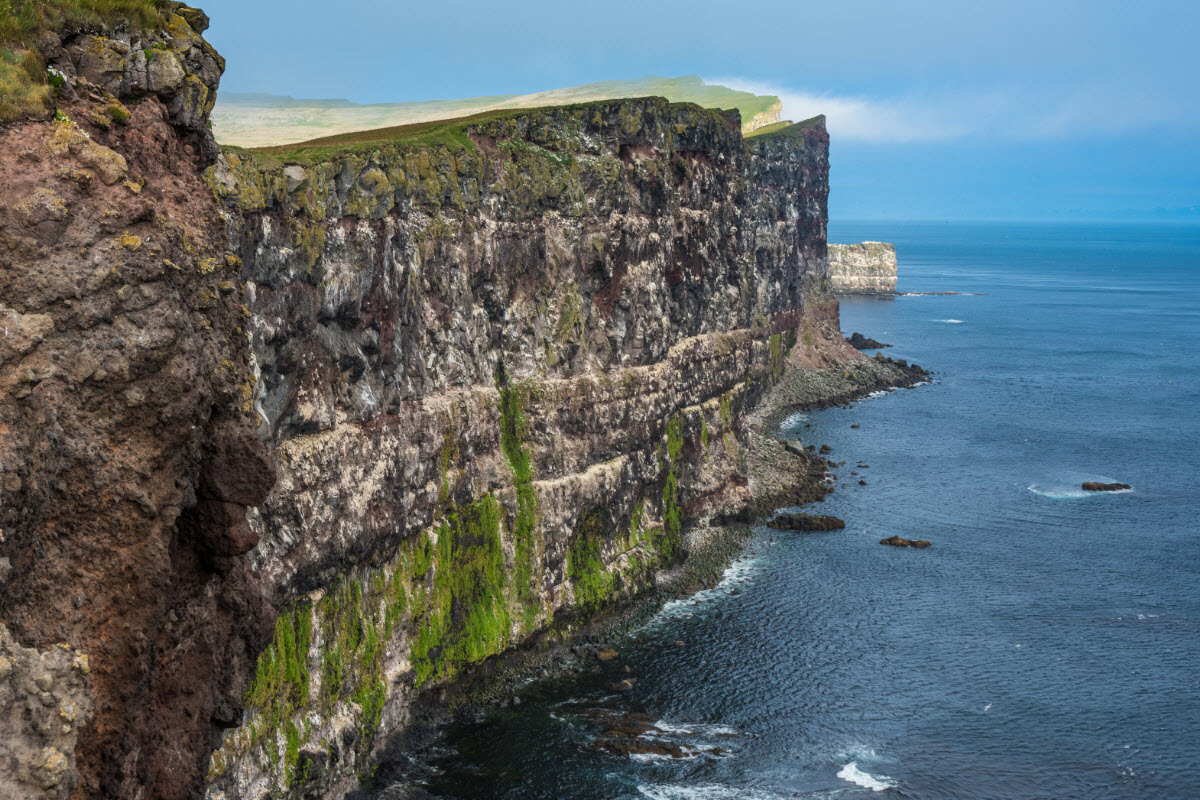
(672, 535)
(26, 87)
(585, 565)
(512, 433)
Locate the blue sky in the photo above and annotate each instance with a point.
(956, 110)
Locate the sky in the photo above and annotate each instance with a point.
(936, 109)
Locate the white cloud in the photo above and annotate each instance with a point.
(915, 117)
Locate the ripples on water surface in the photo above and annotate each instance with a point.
(1046, 646)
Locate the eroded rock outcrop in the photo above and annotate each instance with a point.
(121, 384)
(862, 268)
(860, 342)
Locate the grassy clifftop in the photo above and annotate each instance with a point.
(26, 90)
(456, 133)
(262, 120)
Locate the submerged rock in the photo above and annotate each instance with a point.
(806, 522)
(606, 654)
(1094, 486)
(898, 541)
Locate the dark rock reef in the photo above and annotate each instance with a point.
(1094, 486)
(860, 342)
(898, 541)
(807, 522)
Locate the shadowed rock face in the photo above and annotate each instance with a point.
(863, 268)
(405, 405)
(128, 462)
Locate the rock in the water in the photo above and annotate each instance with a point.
(606, 654)
(898, 541)
(825, 450)
(862, 483)
(793, 446)
(1094, 486)
(806, 522)
(860, 342)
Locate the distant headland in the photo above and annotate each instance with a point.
(863, 268)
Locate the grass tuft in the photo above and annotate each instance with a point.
(25, 88)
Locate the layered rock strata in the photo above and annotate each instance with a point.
(500, 380)
(863, 268)
(293, 442)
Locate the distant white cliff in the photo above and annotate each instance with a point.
(863, 268)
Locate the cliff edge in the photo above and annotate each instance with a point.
(863, 268)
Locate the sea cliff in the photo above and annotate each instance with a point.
(863, 268)
(294, 439)
(501, 378)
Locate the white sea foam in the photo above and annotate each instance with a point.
(739, 572)
(795, 419)
(876, 783)
(1069, 492)
(950, 321)
(1058, 492)
(709, 791)
(694, 729)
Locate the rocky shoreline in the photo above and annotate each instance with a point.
(783, 475)
(780, 475)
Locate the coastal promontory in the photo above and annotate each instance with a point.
(862, 268)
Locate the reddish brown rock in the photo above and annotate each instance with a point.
(898, 541)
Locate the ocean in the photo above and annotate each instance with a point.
(1046, 646)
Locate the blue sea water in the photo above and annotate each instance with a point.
(1046, 646)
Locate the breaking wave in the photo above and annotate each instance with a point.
(876, 783)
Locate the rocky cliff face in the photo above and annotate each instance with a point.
(863, 268)
(763, 118)
(291, 443)
(499, 382)
(127, 459)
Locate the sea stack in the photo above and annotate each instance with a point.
(863, 268)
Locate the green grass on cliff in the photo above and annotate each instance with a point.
(23, 21)
(450, 133)
(786, 129)
(24, 90)
(263, 120)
